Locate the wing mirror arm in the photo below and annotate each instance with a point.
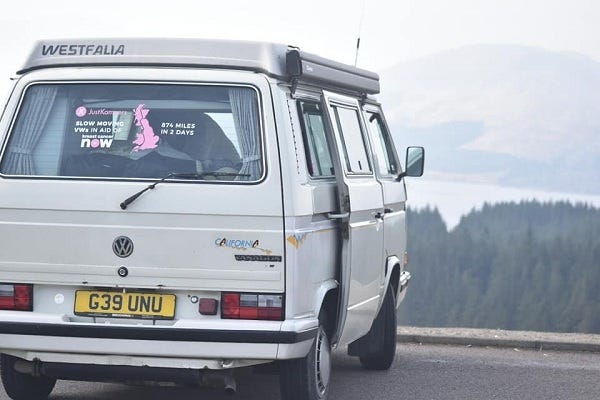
(400, 176)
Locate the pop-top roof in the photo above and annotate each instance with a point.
(277, 60)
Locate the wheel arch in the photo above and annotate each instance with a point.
(326, 301)
(392, 277)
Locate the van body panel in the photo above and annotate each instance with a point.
(361, 272)
(193, 229)
(393, 192)
(311, 240)
(364, 262)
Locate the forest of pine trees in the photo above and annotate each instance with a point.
(525, 266)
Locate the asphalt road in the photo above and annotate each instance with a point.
(420, 372)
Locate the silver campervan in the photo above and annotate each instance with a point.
(171, 210)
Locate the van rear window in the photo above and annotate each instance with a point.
(126, 130)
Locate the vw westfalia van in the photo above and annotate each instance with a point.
(177, 209)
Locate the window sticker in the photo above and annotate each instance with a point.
(145, 139)
(98, 127)
(177, 128)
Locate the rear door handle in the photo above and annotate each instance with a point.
(338, 216)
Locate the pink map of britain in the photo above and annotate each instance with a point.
(145, 139)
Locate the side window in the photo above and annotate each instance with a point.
(382, 145)
(318, 154)
(355, 153)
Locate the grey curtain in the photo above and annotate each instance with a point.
(30, 126)
(245, 118)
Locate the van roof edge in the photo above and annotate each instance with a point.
(280, 61)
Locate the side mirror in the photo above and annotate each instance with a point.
(415, 162)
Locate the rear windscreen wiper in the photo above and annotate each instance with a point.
(180, 175)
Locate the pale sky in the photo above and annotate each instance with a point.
(391, 31)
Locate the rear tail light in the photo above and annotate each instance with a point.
(16, 297)
(208, 306)
(252, 306)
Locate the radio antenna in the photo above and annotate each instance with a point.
(362, 15)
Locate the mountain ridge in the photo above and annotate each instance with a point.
(533, 115)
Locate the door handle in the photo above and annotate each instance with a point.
(388, 210)
(338, 216)
(378, 215)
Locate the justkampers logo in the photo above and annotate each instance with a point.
(81, 111)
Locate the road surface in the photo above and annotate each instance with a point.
(420, 372)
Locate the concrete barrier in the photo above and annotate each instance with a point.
(501, 338)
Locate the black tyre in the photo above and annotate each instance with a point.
(383, 350)
(22, 386)
(308, 378)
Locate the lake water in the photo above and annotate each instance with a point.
(454, 200)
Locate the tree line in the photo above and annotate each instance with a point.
(521, 266)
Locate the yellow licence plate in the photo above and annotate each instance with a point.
(118, 304)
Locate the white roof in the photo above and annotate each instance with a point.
(276, 60)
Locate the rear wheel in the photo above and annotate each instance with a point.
(308, 378)
(20, 386)
(383, 348)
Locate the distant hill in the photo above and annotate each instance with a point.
(525, 266)
(511, 115)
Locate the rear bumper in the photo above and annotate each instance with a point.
(157, 334)
(155, 346)
(404, 280)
